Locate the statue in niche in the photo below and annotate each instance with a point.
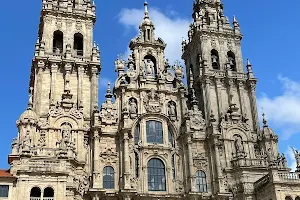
(149, 67)
(131, 67)
(239, 145)
(172, 109)
(27, 141)
(133, 110)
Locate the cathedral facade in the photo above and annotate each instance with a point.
(154, 137)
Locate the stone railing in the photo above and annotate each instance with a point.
(288, 177)
(35, 198)
(246, 162)
(48, 198)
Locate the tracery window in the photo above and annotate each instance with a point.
(154, 132)
(156, 175)
(108, 178)
(201, 183)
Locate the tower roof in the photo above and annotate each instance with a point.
(146, 21)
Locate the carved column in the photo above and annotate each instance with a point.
(39, 85)
(252, 86)
(241, 94)
(96, 168)
(80, 78)
(126, 162)
(219, 94)
(207, 95)
(68, 68)
(190, 154)
(94, 90)
(54, 68)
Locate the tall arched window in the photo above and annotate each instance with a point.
(78, 44)
(108, 178)
(154, 132)
(58, 41)
(231, 60)
(156, 175)
(215, 59)
(35, 193)
(201, 181)
(48, 193)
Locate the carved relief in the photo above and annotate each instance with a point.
(109, 156)
(153, 101)
(200, 160)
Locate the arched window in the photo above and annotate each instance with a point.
(288, 198)
(215, 59)
(231, 60)
(58, 42)
(48, 193)
(201, 181)
(156, 175)
(297, 198)
(108, 178)
(35, 193)
(78, 44)
(154, 132)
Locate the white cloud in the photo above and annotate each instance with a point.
(170, 28)
(283, 111)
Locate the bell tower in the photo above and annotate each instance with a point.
(55, 131)
(227, 97)
(215, 65)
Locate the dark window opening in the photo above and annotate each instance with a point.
(58, 42)
(215, 59)
(173, 167)
(144, 35)
(35, 192)
(231, 61)
(137, 134)
(78, 44)
(4, 190)
(108, 178)
(136, 164)
(48, 192)
(156, 175)
(148, 34)
(201, 181)
(154, 132)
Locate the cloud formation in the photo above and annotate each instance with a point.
(170, 28)
(283, 111)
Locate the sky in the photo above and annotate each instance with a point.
(271, 41)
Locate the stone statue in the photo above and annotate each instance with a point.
(149, 67)
(239, 145)
(297, 157)
(130, 67)
(172, 109)
(132, 107)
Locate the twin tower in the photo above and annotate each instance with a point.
(153, 137)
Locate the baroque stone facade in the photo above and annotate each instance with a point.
(153, 137)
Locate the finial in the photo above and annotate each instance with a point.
(146, 9)
(108, 92)
(94, 45)
(234, 19)
(30, 104)
(264, 119)
(248, 62)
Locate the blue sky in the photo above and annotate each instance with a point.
(271, 41)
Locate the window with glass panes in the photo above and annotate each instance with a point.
(4, 190)
(156, 175)
(201, 181)
(154, 132)
(108, 178)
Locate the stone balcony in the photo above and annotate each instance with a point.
(246, 162)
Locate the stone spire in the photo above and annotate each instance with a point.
(147, 27)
